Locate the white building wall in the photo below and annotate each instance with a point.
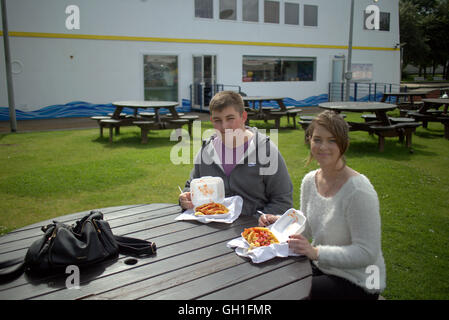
(102, 71)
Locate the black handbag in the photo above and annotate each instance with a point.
(89, 241)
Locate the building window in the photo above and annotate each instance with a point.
(160, 77)
(250, 10)
(271, 11)
(204, 9)
(228, 9)
(263, 68)
(291, 13)
(384, 21)
(310, 15)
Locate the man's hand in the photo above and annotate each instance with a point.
(267, 219)
(185, 200)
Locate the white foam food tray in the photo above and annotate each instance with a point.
(291, 222)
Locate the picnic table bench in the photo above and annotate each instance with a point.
(144, 120)
(425, 114)
(400, 130)
(269, 113)
(305, 121)
(383, 126)
(411, 100)
(425, 118)
(192, 262)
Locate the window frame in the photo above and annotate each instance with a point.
(298, 13)
(235, 13)
(212, 9)
(257, 12)
(278, 64)
(278, 13)
(145, 53)
(304, 15)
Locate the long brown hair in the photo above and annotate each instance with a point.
(336, 125)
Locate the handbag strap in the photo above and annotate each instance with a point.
(135, 246)
(11, 269)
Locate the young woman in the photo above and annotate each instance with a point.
(343, 221)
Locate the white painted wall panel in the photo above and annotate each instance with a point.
(102, 71)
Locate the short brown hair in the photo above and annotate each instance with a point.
(336, 125)
(224, 99)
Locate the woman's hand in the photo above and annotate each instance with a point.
(267, 219)
(301, 245)
(185, 200)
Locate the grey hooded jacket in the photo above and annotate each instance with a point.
(260, 178)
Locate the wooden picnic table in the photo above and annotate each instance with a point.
(117, 120)
(156, 105)
(411, 95)
(382, 125)
(424, 115)
(261, 99)
(258, 112)
(434, 103)
(379, 108)
(192, 262)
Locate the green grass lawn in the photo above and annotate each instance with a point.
(49, 174)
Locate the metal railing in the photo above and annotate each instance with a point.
(201, 93)
(361, 91)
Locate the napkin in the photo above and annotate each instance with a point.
(261, 254)
(234, 204)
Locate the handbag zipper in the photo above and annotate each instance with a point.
(53, 235)
(101, 238)
(95, 226)
(50, 245)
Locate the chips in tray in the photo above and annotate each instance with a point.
(211, 209)
(259, 237)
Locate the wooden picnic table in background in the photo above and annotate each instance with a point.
(156, 105)
(379, 108)
(434, 103)
(260, 99)
(425, 115)
(146, 122)
(382, 125)
(410, 95)
(192, 262)
(257, 112)
(411, 100)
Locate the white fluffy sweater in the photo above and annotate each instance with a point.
(346, 230)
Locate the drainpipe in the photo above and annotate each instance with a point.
(348, 75)
(9, 83)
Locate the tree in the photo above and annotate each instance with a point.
(412, 34)
(438, 35)
(423, 26)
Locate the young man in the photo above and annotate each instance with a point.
(247, 161)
